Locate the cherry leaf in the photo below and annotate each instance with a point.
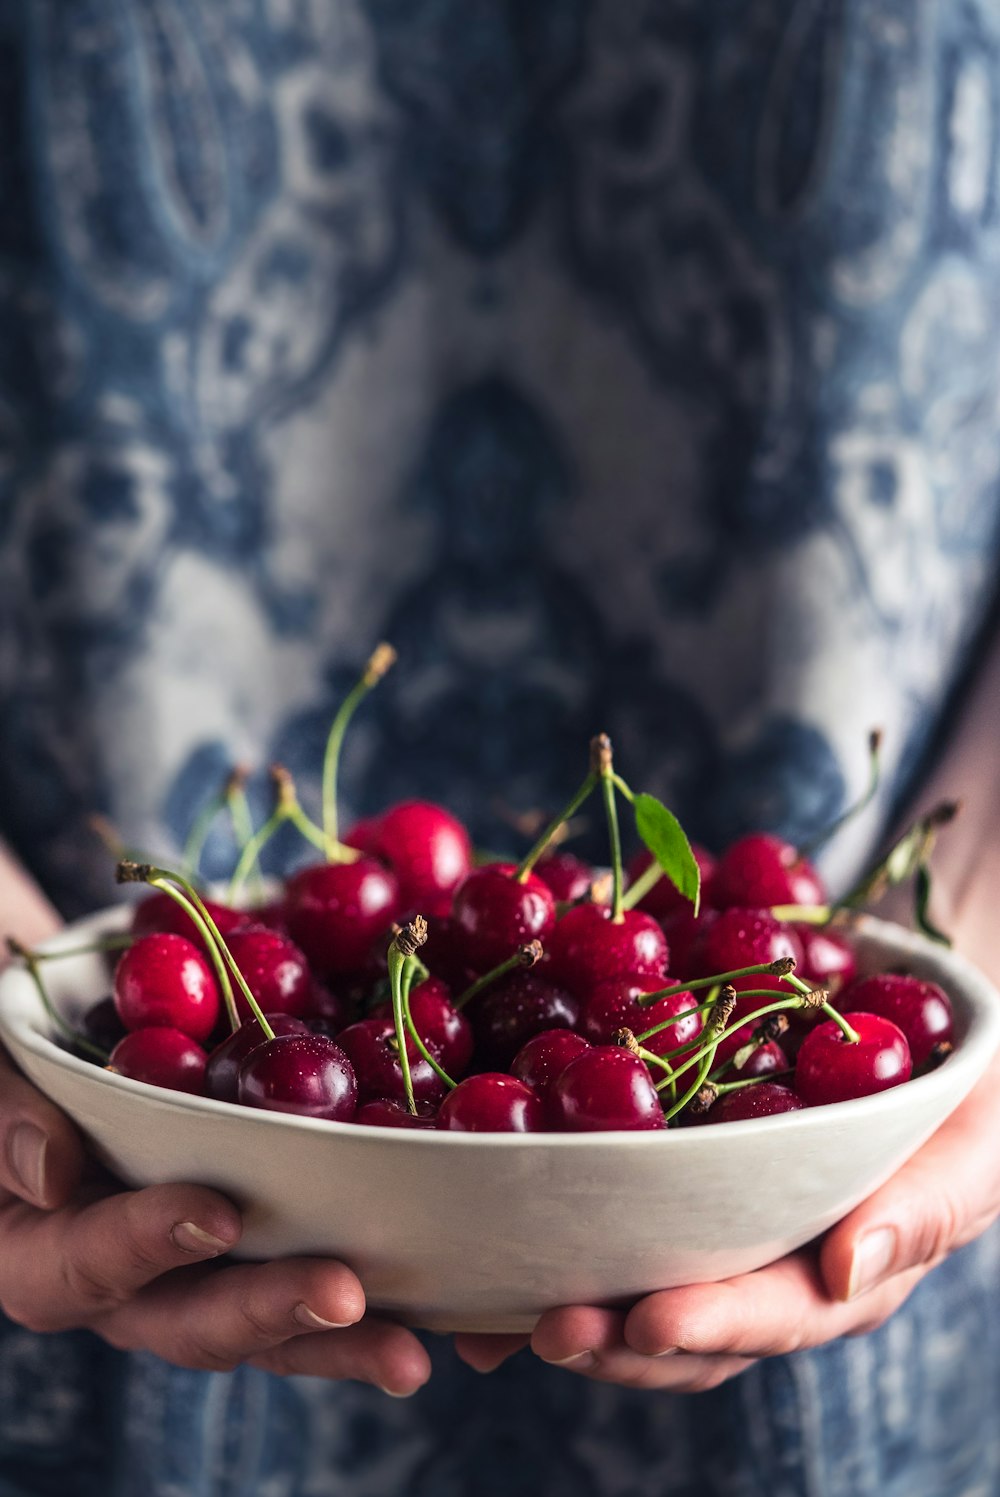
(664, 836)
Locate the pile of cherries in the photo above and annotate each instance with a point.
(406, 987)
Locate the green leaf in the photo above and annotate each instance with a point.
(664, 836)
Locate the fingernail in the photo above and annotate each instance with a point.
(873, 1257)
(307, 1317)
(668, 1351)
(26, 1149)
(580, 1360)
(194, 1239)
(394, 1393)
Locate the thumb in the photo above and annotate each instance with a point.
(41, 1155)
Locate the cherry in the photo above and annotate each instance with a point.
(164, 981)
(427, 849)
(101, 1025)
(443, 953)
(744, 938)
(443, 1028)
(273, 916)
(762, 1061)
(275, 971)
(684, 932)
(761, 869)
(830, 1068)
(763, 1101)
(542, 1060)
(372, 1049)
(922, 1010)
(223, 1069)
(567, 876)
(664, 899)
(159, 914)
(514, 1008)
(615, 1005)
(329, 1011)
(492, 1103)
(305, 1074)
(161, 1057)
(386, 1112)
(362, 835)
(336, 911)
(495, 913)
(828, 960)
(605, 1088)
(588, 947)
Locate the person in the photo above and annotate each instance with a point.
(631, 368)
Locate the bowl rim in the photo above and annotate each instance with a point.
(22, 1016)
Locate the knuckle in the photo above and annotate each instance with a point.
(29, 1317)
(89, 1287)
(195, 1354)
(261, 1330)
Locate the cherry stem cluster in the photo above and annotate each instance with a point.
(31, 960)
(382, 659)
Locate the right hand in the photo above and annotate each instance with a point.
(138, 1267)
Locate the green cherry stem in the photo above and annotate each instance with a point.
(403, 945)
(602, 767)
(808, 849)
(382, 659)
(287, 808)
(803, 914)
(702, 1008)
(648, 879)
(552, 830)
(31, 960)
(119, 942)
(779, 968)
(524, 956)
(716, 1030)
(623, 789)
(241, 822)
(411, 970)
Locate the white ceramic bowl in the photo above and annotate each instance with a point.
(482, 1232)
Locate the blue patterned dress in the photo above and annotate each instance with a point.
(631, 364)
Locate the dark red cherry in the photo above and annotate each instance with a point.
(684, 932)
(511, 1010)
(371, 1047)
(542, 1060)
(329, 1011)
(605, 1088)
(615, 1005)
(223, 1069)
(922, 1010)
(762, 1101)
(664, 899)
(304, 1074)
(745, 938)
(386, 1112)
(496, 913)
(337, 911)
(491, 1103)
(830, 1068)
(566, 875)
(275, 971)
(761, 870)
(763, 1060)
(828, 960)
(101, 1025)
(588, 947)
(444, 1029)
(159, 914)
(161, 1057)
(164, 981)
(427, 849)
(362, 835)
(272, 916)
(443, 953)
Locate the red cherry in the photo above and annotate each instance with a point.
(588, 947)
(427, 849)
(305, 1074)
(371, 1047)
(760, 870)
(223, 1069)
(829, 1068)
(492, 1103)
(615, 1005)
(159, 914)
(566, 875)
(275, 971)
(495, 913)
(386, 1112)
(684, 932)
(541, 1061)
(164, 981)
(605, 1088)
(272, 916)
(763, 1101)
(762, 1061)
(362, 835)
(336, 911)
(443, 953)
(828, 960)
(328, 1012)
(514, 1008)
(740, 937)
(101, 1025)
(444, 1029)
(161, 1057)
(664, 899)
(921, 1010)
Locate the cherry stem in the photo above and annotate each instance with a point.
(813, 846)
(779, 968)
(716, 1031)
(688, 1013)
(402, 946)
(225, 986)
(381, 660)
(722, 1087)
(625, 790)
(554, 827)
(412, 969)
(648, 879)
(242, 821)
(120, 942)
(524, 956)
(31, 960)
(601, 764)
(725, 1034)
(803, 914)
(287, 809)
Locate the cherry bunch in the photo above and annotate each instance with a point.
(397, 983)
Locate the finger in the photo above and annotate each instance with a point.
(61, 1270)
(487, 1353)
(41, 1155)
(387, 1356)
(776, 1310)
(591, 1342)
(943, 1198)
(214, 1319)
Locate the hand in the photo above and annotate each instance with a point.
(138, 1268)
(691, 1339)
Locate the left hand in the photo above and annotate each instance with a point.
(691, 1339)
